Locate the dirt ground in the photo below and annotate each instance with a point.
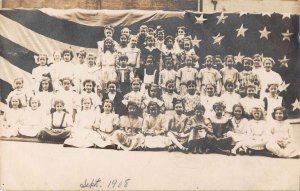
(36, 166)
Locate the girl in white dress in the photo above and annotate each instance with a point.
(45, 94)
(19, 92)
(272, 100)
(37, 73)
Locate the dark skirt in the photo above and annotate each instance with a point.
(53, 136)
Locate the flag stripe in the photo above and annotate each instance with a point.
(31, 40)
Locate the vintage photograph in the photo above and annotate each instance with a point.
(149, 95)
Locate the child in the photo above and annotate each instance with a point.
(107, 123)
(55, 67)
(12, 117)
(124, 74)
(150, 49)
(154, 95)
(186, 74)
(58, 126)
(155, 128)
(250, 101)
(45, 94)
(159, 40)
(199, 127)
(209, 75)
(168, 48)
(68, 96)
(221, 125)
(218, 63)
(43, 68)
(257, 63)
(272, 99)
(281, 143)
(230, 98)
(143, 30)
(135, 95)
(134, 54)
(130, 136)
(83, 134)
(248, 77)
(149, 73)
(229, 73)
(108, 33)
(107, 62)
(258, 132)
(188, 50)
(178, 132)
(126, 31)
(169, 96)
(89, 91)
(239, 130)
(209, 100)
(33, 119)
(124, 39)
(116, 97)
(19, 92)
(191, 99)
(180, 34)
(167, 74)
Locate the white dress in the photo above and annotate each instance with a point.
(239, 131)
(46, 99)
(33, 122)
(13, 121)
(258, 134)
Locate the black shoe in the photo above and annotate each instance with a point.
(250, 152)
(241, 151)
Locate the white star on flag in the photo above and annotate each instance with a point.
(264, 33)
(238, 58)
(296, 105)
(284, 62)
(243, 13)
(283, 87)
(217, 39)
(200, 19)
(221, 18)
(286, 15)
(267, 14)
(196, 42)
(241, 31)
(287, 35)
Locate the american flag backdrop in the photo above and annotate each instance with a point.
(25, 33)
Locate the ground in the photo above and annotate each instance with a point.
(37, 166)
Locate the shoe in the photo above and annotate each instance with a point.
(250, 152)
(241, 151)
(194, 150)
(171, 148)
(200, 150)
(233, 153)
(184, 150)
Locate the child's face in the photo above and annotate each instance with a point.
(247, 66)
(150, 42)
(45, 85)
(170, 87)
(208, 62)
(133, 42)
(250, 91)
(42, 60)
(268, 65)
(160, 35)
(189, 61)
(273, 89)
(180, 32)
(81, 59)
(186, 45)
(88, 87)
(229, 62)
(107, 107)
(237, 112)
(15, 103)
(179, 108)
(153, 110)
(210, 90)
(56, 56)
(66, 84)
(91, 60)
(67, 57)
(169, 43)
(87, 104)
(229, 87)
(143, 30)
(123, 40)
(59, 107)
(123, 62)
(135, 86)
(18, 84)
(34, 104)
(199, 113)
(218, 61)
(256, 62)
(219, 111)
(191, 89)
(150, 31)
(153, 92)
(112, 88)
(149, 62)
(131, 110)
(256, 114)
(279, 115)
(108, 33)
(169, 65)
(125, 31)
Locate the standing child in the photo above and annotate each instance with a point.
(218, 63)
(134, 54)
(257, 64)
(12, 117)
(209, 75)
(108, 33)
(167, 74)
(83, 134)
(272, 99)
(230, 98)
(186, 74)
(130, 136)
(143, 30)
(169, 96)
(150, 49)
(191, 99)
(33, 119)
(282, 143)
(19, 92)
(124, 40)
(89, 91)
(168, 48)
(126, 31)
(59, 124)
(250, 101)
(188, 50)
(209, 100)
(124, 74)
(159, 40)
(107, 123)
(55, 67)
(154, 95)
(45, 94)
(180, 34)
(155, 128)
(229, 73)
(37, 73)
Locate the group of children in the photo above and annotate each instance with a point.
(148, 91)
